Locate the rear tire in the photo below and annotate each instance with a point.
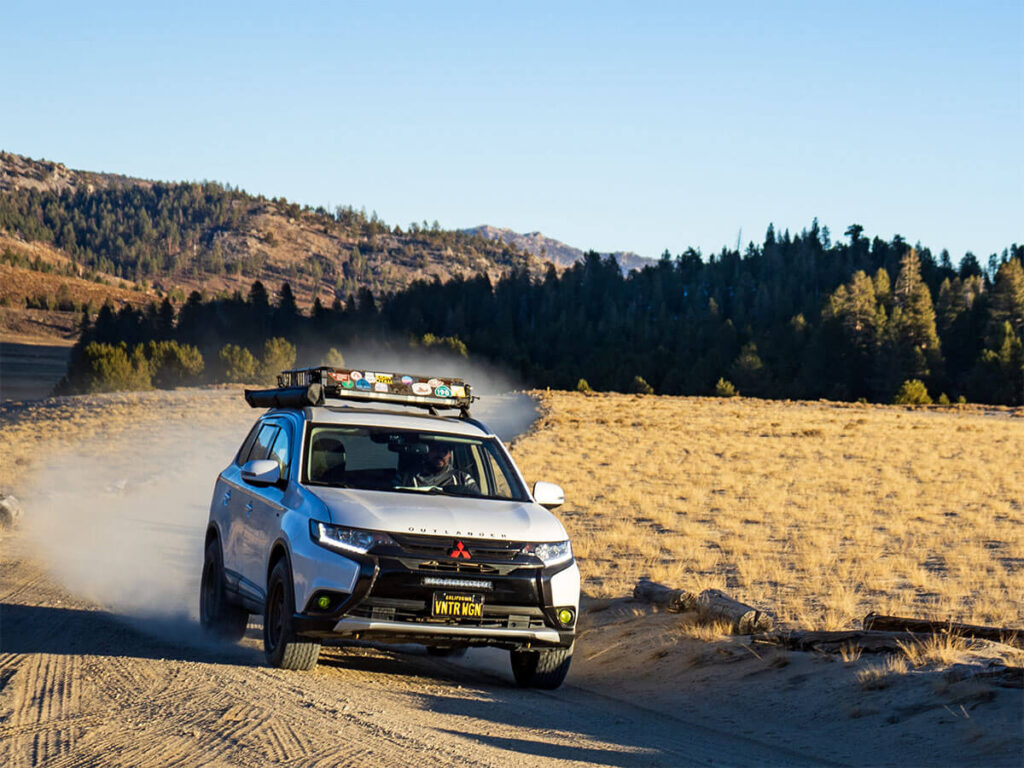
(546, 668)
(218, 617)
(280, 644)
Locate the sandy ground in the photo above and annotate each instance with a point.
(101, 663)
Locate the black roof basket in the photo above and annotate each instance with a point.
(301, 387)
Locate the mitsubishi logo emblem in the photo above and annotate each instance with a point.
(460, 551)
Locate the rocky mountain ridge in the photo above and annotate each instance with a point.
(552, 250)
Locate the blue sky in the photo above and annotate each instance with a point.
(614, 126)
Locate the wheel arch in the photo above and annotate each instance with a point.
(213, 534)
(278, 552)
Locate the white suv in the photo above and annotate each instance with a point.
(344, 516)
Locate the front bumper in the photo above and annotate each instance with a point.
(390, 601)
(411, 632)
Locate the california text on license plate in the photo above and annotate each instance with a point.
(457, 606)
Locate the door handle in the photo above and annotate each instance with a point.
(248, 509)
(227, 497)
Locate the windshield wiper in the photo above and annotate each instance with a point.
(446, 490)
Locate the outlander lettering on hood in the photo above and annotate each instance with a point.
(467, 534)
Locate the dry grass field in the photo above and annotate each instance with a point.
(820, 512)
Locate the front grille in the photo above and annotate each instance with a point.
(440, 547)
(512, 600)
(457, 566)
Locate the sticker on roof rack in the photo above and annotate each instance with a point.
(300, 387)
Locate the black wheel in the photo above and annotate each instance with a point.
(280, 644)
(541, 669)
(217, 616)
(447, 651)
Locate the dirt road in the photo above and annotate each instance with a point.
(84, 687)
(101, 661)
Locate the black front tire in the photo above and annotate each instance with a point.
(217, 616)
(280, 644)
(546, 668)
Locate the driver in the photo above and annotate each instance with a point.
(435, 469)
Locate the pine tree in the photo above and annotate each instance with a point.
(165, 319)
(286, 313)
(915, 341)
(856, 308)
(998, 376)
(1007, 303)
(748, 371)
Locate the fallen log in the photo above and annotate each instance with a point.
(716, 605)
(868, 641)
(925, 626)
(674, 600)
(710, 605)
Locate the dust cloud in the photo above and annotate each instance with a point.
(122, 523)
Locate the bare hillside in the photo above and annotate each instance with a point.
(211, 237)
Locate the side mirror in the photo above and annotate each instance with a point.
(548, 495)
(261, 472)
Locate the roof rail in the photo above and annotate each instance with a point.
(300, 387)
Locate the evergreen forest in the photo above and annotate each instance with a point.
(799, 316)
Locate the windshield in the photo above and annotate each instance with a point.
(377, 459)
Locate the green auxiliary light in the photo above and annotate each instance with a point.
(324, 602)
(565, 616)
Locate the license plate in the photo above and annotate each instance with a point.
(453, 605)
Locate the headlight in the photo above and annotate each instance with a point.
(551, 553)
(346, 539)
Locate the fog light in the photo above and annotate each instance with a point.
(565, 616)
(324, 602)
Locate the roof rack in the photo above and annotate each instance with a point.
(300, 387)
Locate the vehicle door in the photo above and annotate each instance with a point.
(243, 535)
(264, 519)
(228, 503)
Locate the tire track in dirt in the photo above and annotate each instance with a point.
(14, 593)
(44, 697)
(284, 742)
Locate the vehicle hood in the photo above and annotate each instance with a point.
(437, 515)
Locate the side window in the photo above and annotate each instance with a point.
(463, 459)
(281, 452)
(243, 452)
(261, 446)
(501, 484)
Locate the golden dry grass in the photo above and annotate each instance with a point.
(821, 512)
(874, 677)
